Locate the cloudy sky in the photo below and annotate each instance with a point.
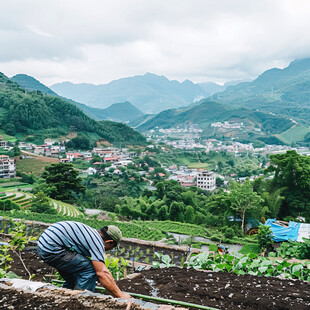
(96, 41)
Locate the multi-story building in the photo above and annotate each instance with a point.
(206, 180)
(7, 167)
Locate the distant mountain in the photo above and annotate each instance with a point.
(121, 112)
(150, 93)
(36, 116)
(30, 83)
(281, 91)
(260, 124)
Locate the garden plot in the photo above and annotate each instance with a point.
(220, 290)
(66, 209)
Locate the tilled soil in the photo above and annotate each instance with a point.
(221, 290)
(35, 265)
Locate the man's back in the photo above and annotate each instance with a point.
(74, 236)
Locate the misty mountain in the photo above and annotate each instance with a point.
(281, 91)
(259, 125)
(121, 112)
(150, 93)
(30, 83)
(34, 116)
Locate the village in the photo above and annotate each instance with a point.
(114, 161)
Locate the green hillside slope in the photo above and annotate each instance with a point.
(281, 91)
(40, 116)
(209, 112)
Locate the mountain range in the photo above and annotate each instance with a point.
(119, 112)
(281, 91)
(34, 116)
(150, 93)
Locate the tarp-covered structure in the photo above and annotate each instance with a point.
(291, 231)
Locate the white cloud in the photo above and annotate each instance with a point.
(97, 41)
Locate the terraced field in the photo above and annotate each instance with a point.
(24, 200)
(66, 209)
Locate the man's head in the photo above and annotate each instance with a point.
(111, 236)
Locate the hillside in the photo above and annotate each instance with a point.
(281, 91)
(260, 124)
(121, 112)
(34, 116)
(29, 83)
(150, 93)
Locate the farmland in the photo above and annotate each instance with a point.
(221, 288)
(24, 201)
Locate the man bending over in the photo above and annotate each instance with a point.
(77, 252)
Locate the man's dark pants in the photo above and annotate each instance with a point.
(76, 269)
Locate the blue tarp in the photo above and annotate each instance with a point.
(281, 233)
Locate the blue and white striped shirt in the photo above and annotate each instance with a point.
(74, 236)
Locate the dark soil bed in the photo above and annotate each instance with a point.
(221, 290)
(35, 265)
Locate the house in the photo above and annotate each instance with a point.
(64, 160)
(49, 142)
(3, 143)
(74, 156)
(206, 180)
(91, 171)
(112, 159)
(47, 152)
(55, 151)
(39, 150)
(7, 167)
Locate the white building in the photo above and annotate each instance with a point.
(206, 180)
(7, 167)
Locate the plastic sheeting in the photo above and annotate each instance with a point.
(304, 232)
(281, 233)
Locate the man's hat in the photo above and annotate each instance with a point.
(115, 233)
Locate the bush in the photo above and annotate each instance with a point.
(215, 238)
(229, 233)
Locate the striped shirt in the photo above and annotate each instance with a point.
(73, 236)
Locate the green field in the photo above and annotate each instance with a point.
(24, 200)
(7, 137)
(294, 134)
(33, 165)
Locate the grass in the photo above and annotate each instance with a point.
(294, 134)
(32, 165)
(250, 248)
(7, 137)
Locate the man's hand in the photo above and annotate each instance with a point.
(106, 279)
(125, 295)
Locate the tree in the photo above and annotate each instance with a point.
(162, 213)
(243, 199)
(41, 204)
(292, 174)
(63, 182)
(189, 215)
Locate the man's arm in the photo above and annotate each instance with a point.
(106, 279)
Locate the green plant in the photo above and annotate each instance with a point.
(300, 250)
(164, 261)
(264, 236)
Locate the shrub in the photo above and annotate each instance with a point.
(229, 233)
(215, 238)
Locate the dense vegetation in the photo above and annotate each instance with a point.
(206, 112)
(283, 92)
(33, 113)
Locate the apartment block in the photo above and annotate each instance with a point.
(206, 180)
(7, 167)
